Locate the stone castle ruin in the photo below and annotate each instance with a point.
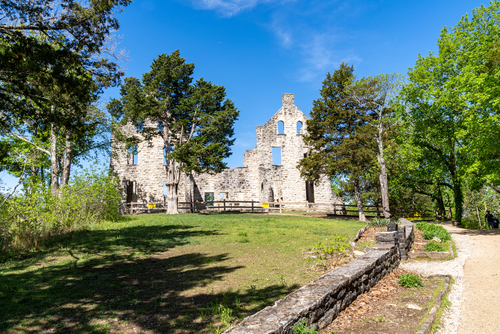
(142, 175)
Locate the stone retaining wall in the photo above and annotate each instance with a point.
(320, 301)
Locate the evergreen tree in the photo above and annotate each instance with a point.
(195, 121)
(339, 134)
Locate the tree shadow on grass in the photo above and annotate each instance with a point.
(113, 294)
(112, 290)
(139, 239)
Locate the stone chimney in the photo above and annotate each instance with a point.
(288, 100)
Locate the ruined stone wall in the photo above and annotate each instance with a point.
(148, 173)
(258, 180)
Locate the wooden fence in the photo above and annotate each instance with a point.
(253, 206)
(275, 207)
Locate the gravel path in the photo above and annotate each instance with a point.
(455, 268)
(475, 296)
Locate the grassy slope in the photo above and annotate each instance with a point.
(161, 274)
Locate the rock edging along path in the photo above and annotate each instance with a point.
(320, 301)
(427, 326)
(455, 268)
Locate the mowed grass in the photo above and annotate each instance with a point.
(188, 273)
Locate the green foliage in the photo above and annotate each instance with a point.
(28, 220)
(195, 120)
(338, 248)
(340, 134)
(470, 223)
(221, 312)
(450, 106)
(301, 328)
(433, 230)
(433, 246)
(476, 200)
(377, 222)
(58, 63)
(411, 281)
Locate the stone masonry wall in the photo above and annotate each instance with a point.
(320, 301)
(259, 180)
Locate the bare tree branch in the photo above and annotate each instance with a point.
(27, 141)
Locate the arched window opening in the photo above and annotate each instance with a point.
(133, 155)
(299, 127)
(281, 127)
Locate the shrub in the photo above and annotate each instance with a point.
(301, 328)
(470, 223)
(432, 230)
(411, 281)
(338, 248)
(30, 219)
(433, 246)
(378, 222)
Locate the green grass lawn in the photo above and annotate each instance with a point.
(188, 273)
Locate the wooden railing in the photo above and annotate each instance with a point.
(255, 206)
(251, 206)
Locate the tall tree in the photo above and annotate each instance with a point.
(376, 95)
(195, 121)
(339, 134)
(55, 60)
(451, 103)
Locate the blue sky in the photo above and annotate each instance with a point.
(260, 49)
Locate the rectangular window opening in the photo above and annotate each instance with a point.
(276, 155)
(209, 199)
(133, 155)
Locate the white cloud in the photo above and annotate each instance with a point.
(306, 28)
(314, 33)
(229, 7)
(323, 53)
(285, 37)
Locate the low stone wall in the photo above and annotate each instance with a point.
(320, 301)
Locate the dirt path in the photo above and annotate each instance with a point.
(481, 297)
(475, 296)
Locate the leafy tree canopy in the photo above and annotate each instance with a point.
(451, 102)
(50, 56)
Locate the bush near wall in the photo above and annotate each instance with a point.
(432, 230)
(28, 221)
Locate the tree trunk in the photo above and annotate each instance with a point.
(459, 199)
(384, 183)
(449, 206)
(479, 220)
(53, 159)
(359, 203)
(67, 160)
(494, 187)
(439, 198)
(42, 177)
(173, 176)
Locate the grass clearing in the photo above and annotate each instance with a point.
(188, 273)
